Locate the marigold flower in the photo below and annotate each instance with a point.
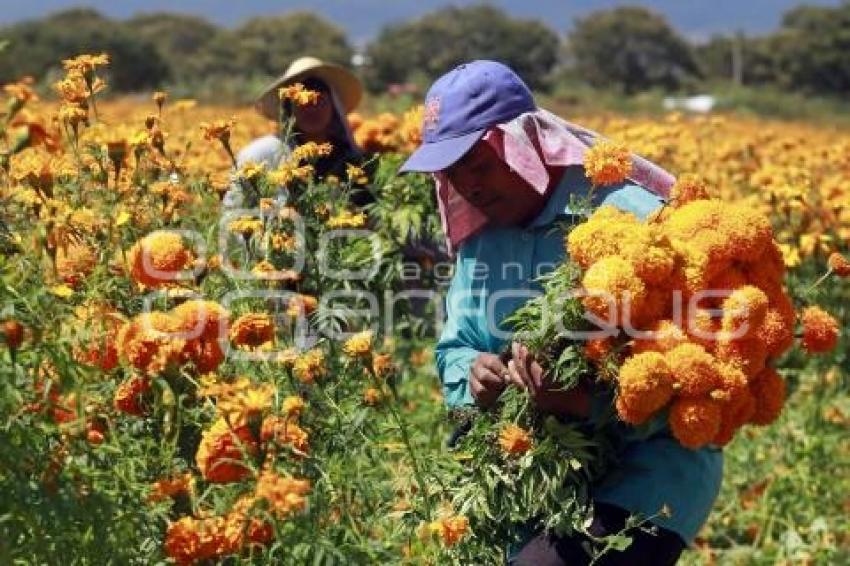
(777, 329)
(148, 342)
(201, 320)
(597, 349)
(171, 487)
(347, 219)
(242, 528)
(602, 235)
(820, 330)
(383, 365)
(129, 396)
(607, 163)
(13, 333)
(75, 262)
(839, 264)
(695, 422)
(159, 258)
(768, 389)
(285, 495)
(293, 406)
(100, 325)
(662, 336)
(450, 530)
(645, 384)
(299, 94)
(694, 370)
(688, 188)
(612, 282)
(514, 440)
(252, 329)
(310, 366)
(218, 130)
(744, 311)
(372, 396)
(748, 354)
(189, 540)
(222, 450)
(311, 150)
(86, 63)
(359, 345)
(285, 432)
(299, 305)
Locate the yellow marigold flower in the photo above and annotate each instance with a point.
(293, 406)
(245, 400)
(347, 219)
(285, 432)
(252, 329)
(287, 356)
(310, 366)
(171, 487)
(372, 396)
(299, 94)
(450, 530)
(607, 163)
(218, 130)
(75, 262)
(246, 226)
(222, 451)
(86, 63)
(611, 283)
(290, 171)
(768, 389)
(359, 345)
(839, 264)
(745, 307)
(285, 495)
(645, 384)
(662, 336)
(356, 175)
(159, 258)
(250, 171)
(514, 440)
(820, 330)
(694, 370)
(602, 235)
(311, 150)
(695, 422)
(689, 188)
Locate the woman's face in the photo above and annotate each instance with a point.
(494, 188)
(315, 119)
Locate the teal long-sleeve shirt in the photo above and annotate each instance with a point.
(494, 275)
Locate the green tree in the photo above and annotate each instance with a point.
(426, 48)
(755, 58)
(815, 42)
(179, 39)
(267, 45)
(38, 47)
(632, 48)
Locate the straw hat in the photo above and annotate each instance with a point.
(342, 81)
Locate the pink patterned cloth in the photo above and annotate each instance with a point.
(528, 144)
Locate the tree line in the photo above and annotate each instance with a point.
(628, 48)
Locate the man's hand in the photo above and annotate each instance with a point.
(527, 373)
(488, 378)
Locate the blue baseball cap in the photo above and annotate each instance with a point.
(461, 106)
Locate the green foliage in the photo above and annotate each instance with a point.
(631, 47)
(424, 49)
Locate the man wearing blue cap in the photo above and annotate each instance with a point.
(505, 171)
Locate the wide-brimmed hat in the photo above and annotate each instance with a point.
(343, 82)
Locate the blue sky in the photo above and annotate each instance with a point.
(363, 18)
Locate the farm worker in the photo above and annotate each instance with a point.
(505, 171)
(325, 121)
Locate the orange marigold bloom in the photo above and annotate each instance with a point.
(695, 422)
(694, 370)
(148, 341)
(74, 263)
(777, 329)
(645, 383)
(612, 282)
(737, 402)
(514, 440)
(285, 432)
(744, 311)
(13, 333)
(663, 336)
(101, 325)
(285, 495)
(688, 188)
(129, 395)
(383, 365)
(820, 330)
(768, 389)
(450, 529)
(597, 349)
(171, 487)
(252, 329)
(607, 163)
(839, 264)
(244, 527)
(602, 235)
(310, 366)
(204, 320)
(293, 406)
(372, 396)
(221, 453)
(299, 94)
(749, 354)
(159, 258)
(359, 345)
(218, 130)
(299, 304)
(189, 540)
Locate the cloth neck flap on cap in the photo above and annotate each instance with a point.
(528, 144)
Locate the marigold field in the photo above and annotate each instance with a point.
(154, 406)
